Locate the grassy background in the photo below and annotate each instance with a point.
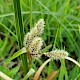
(62, 30)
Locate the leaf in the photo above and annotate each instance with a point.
(52, 75)
(5, 70)
(15, 70)
(8, 30)
(15, 55)
(20, 32)
(31, 71)
(4, 76)
(46, 48)
(74, 61)
(36, 77)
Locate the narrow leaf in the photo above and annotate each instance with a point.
(36, 77)
(31, 71)
(52, 75)
(15, 55)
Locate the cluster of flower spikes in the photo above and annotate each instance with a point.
(33, 43)
(32, 40)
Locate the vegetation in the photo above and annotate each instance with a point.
(61, 32)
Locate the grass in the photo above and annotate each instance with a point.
(62, 31)
(20, 32)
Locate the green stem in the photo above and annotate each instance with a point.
(30, 14)
(63, 71)
(20, 32)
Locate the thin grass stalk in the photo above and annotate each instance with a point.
(29, 56)
(30, 14)
(61, 75)
(20, 32)
(74, 61)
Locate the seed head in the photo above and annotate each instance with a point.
(57, 54)
(40, 25)
(35, 32)
(27, 40)
(38, 29)
(35, 45)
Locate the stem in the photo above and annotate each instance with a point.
(20, 32)
(30, 14)
(74, 61)
(63, 71)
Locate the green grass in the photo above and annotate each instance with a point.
(62, 31)
(20, 32)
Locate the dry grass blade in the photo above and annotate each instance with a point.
(74, 61)
(36, 77)
(4, 76)
(52, 75)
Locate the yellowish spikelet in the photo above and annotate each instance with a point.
(35, 45)
(27, 40)
(36, 31)
(57, 54)
(40, 25)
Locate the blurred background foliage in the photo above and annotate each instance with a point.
(62, 30)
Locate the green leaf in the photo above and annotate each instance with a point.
(5, 70)
(20, 32)
(8, 30)
(15, 55)
(14, 71)
(31, 71)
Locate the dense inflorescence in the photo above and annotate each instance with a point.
(33, 43)
(57, 54)
(32, 40)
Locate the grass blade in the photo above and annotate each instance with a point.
(15, 55)
(30, 14)
(31, 71)
(20, 32)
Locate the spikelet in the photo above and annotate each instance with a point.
(35, 45)
(27, 40)
(39, 27)
(57, 54)
(36, 31)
